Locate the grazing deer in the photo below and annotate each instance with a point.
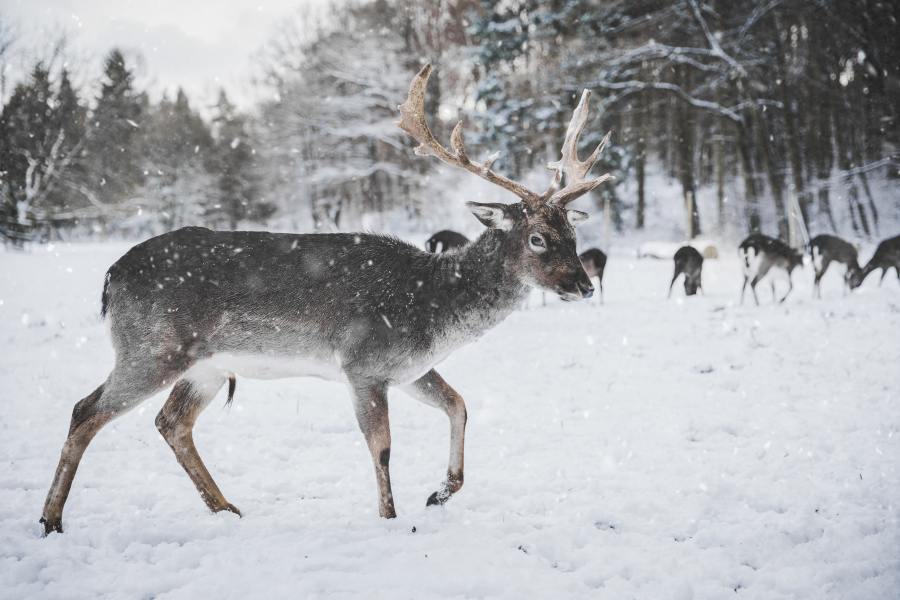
(445, 240)
(760, 254)
(594, 262)
(826, 249)
(887, 255)
(688, 261)
(193, 306)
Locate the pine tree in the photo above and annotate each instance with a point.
(238, 190)
(112, 150)
(69, 117)
(40, 131)
(176, 149)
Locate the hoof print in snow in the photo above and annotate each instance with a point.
(703, 369)
(604, 525)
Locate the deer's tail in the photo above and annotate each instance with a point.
(232, 383)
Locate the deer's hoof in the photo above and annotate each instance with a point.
(230, 508)
(438, 498)
(51, 525)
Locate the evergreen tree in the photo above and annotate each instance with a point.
(40, 134)
(112, 149)
(176, 147)
(238, 190)
(69, 116)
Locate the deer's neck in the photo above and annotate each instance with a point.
(478, 284)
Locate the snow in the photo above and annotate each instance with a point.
(690, 448)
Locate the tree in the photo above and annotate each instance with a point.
(176, 149)
(114, 164)
(237, 196)
(41, 134)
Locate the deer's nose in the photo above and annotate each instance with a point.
(586, 289)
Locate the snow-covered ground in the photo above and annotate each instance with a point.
(643, 449)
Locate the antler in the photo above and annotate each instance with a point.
(569, 165)
(412, 121)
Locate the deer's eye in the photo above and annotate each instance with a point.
(537, 243)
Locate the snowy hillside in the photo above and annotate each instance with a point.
(690, 448)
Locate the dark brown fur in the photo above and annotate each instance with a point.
(688, 261)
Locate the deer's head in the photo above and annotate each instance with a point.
(540, 230)
(854, 276)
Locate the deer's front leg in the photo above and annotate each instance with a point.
(370, 404)
(434, 391)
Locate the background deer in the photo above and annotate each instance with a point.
(826, 249)
(688, 261)
(444, 240)
(887, 255)
(193, 306)
(594, 262)
(761, 253)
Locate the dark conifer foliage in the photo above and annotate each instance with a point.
(773, 116)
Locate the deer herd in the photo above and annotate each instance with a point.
(193, 308)
(760, 255)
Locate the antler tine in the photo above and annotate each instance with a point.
(412, 121)
(569, 165)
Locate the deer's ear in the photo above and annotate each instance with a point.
(576, 217)
(496, 216)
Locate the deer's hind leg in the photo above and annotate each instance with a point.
(130, 383)
(431, 389)
(175, 422)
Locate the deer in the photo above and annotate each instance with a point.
(759, 254)
(444, 240)
(689, 262)
(192, 307)
(887, 255)
(826, 249)
(594, 262)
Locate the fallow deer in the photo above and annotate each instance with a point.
(444, 240)
(826, 249)
(193, 306)
(887, 256)
(688, 261)
(759, 254)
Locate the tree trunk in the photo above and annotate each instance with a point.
(790, 123)
(641, 157)
(771, 159)
(824, 152)
(751, 202)
(719, 160)
(686, 142)
(843, 137)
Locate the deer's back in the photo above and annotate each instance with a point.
(836, 248)
(888, 251)
(688, 256)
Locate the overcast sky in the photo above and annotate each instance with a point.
(196, 44)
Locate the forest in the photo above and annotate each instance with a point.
(783, 112)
